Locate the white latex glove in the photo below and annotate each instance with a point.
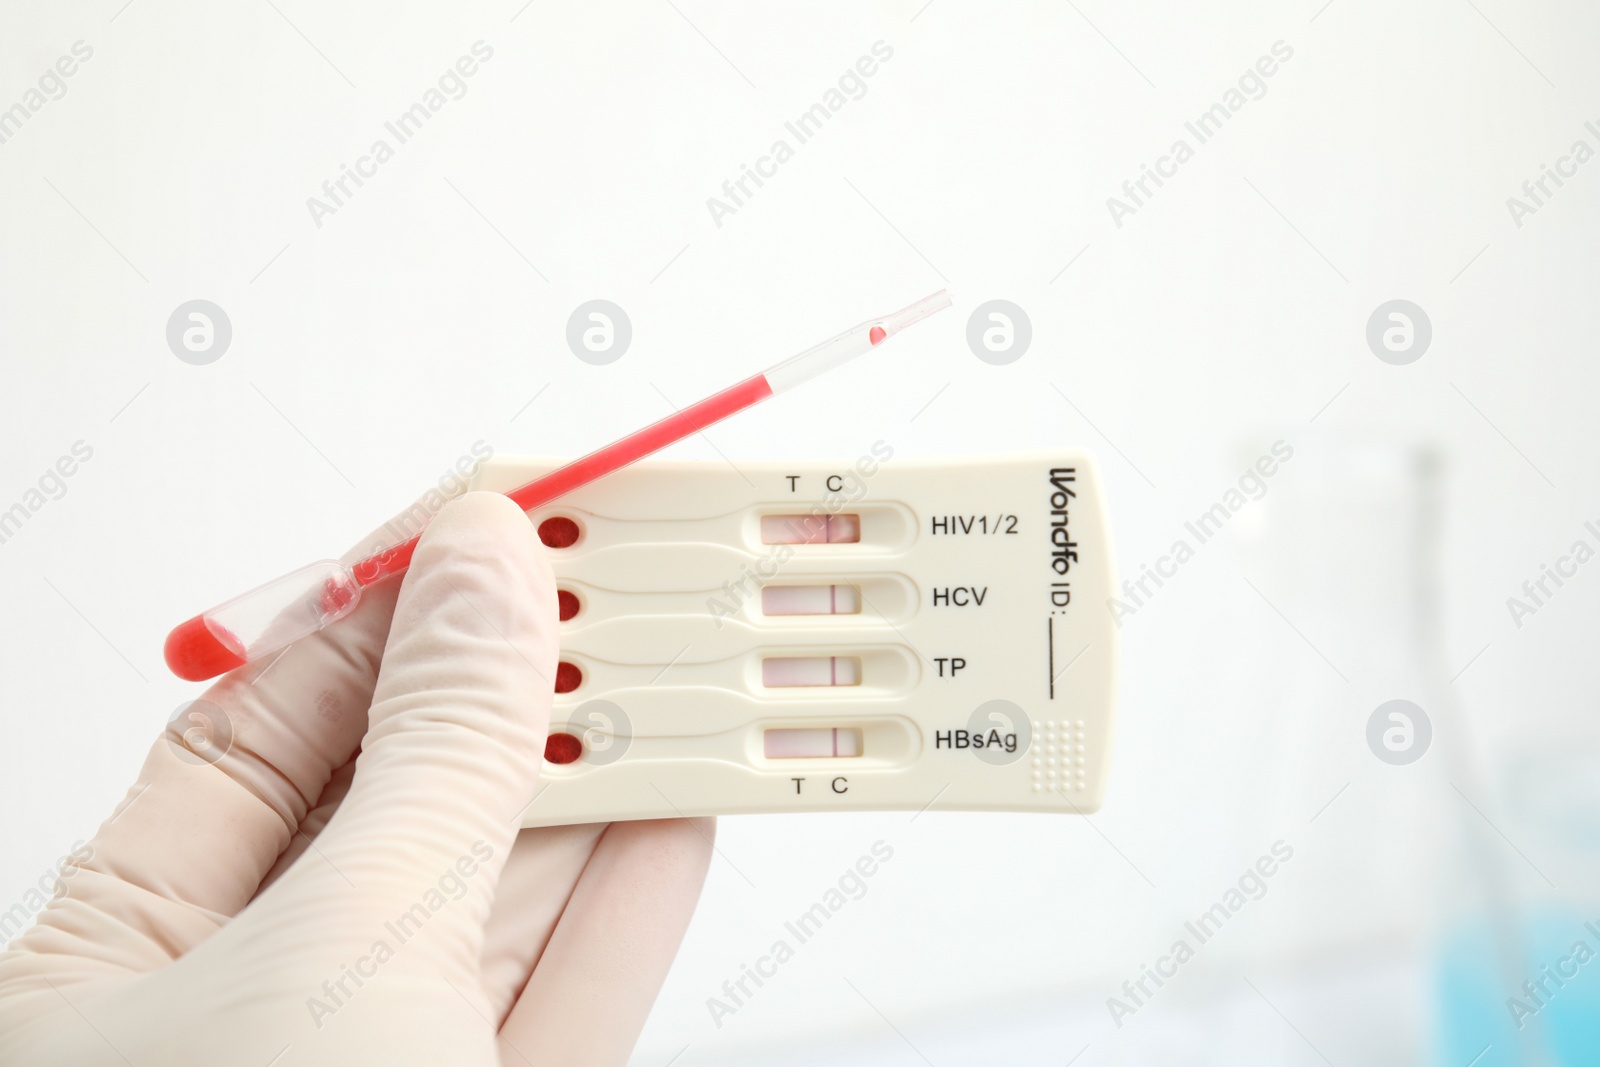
(292, 905)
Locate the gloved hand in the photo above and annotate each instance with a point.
(292, 903)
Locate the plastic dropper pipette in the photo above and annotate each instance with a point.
(302, 602)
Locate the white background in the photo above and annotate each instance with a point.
(1229, 312)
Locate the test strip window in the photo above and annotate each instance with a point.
(812, 743)
(785, 672)
(810, 529)
(810, 600)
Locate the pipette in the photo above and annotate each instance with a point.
(302, 602)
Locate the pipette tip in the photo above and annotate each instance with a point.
(915, 313)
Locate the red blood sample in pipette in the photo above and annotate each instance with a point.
(302, 602)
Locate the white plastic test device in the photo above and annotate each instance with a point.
(876, 634)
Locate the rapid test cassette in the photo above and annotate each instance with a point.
(875, 634)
